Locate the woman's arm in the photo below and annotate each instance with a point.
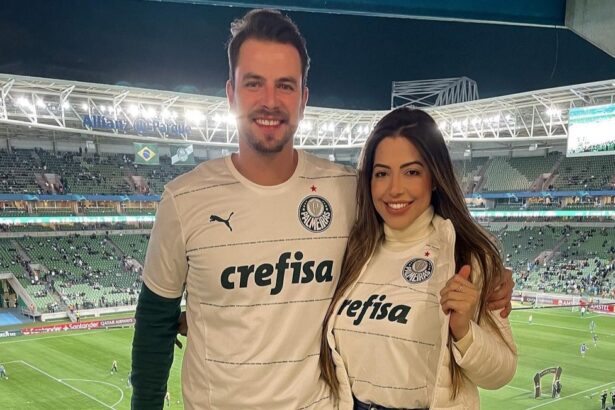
(490, 361)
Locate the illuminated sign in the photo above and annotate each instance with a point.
(542, 213)
(27, 220)
(139, 125)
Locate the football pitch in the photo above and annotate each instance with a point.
(71, 370)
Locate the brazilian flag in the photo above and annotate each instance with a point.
(182, 155)
(146, 154)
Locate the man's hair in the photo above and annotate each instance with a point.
(266, 25)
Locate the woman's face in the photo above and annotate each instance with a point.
(401, 182)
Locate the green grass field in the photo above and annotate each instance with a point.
(72, 370)
(554, 339)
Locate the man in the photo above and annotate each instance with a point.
(595, 339)
(603, 397)
(257, 240)
(613, 397)
(3, 374)
(592, 326)
(558, 388)
(114, 367)
(583, 349)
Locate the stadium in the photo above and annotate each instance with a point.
(83, 165)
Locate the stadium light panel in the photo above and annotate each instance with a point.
(40, 103)
(66, 105)
(103, 108)
(442, 125)
(149, 113)
(306, 126)
(133, 110)
(23, 102)
(553, 112)
(84, 106)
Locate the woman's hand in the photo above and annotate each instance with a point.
(459, 297)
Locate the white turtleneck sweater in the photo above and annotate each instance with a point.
(387, 330)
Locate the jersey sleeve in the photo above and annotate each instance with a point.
(166, 264)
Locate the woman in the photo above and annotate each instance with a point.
(403, 330)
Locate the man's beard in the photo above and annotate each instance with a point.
(260, 144)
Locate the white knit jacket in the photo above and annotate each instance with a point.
(489, 363)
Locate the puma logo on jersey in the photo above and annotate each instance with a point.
(261, 275)
(216, 218)
(379, 310)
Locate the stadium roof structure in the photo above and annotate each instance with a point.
(39, 106)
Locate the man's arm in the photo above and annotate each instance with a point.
(500, 296)
(152, 348)
(164, 277)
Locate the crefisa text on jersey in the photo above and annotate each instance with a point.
(379, 310)
(261, 275)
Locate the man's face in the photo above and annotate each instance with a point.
(268, 97)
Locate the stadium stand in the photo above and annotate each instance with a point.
(466, 171)
(97, 270)
(517, 174)
(581, 173)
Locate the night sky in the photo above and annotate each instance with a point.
(181, 47)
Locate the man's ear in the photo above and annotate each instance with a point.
(304, 99)
(230, 94)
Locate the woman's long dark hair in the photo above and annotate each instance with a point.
(473, 244)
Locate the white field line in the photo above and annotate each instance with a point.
(518, 388)
(66, 384)
(101, 382)
(562, 327)
(28, 339)
(567, 397)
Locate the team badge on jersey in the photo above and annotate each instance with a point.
(315, 213)
(417, 270)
